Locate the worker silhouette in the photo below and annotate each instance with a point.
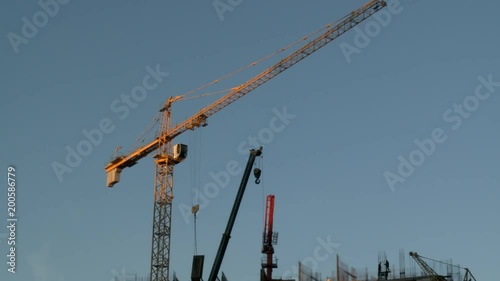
(386, 269)
(379, 268)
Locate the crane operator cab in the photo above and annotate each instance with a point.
(180, 152)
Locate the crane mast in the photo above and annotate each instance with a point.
(232, 217)
(165, 160)
(162, 205)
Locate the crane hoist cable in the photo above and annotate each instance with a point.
(194, 210)
(194, 164)
(196, 142)
(195, 182)
(195, 237)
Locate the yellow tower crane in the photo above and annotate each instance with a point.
(167, 155)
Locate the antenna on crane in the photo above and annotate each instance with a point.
(116, 151)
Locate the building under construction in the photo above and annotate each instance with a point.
(418, 268)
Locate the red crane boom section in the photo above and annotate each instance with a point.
(268, 222)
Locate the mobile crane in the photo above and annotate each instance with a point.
(167, 155)
(232, 217)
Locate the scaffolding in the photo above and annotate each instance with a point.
(307, 274)
(410, 271)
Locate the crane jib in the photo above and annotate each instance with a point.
(347, 23)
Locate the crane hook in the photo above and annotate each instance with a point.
(256, 173)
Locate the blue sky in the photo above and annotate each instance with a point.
(353, 117)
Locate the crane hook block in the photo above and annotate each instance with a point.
(256, 173)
